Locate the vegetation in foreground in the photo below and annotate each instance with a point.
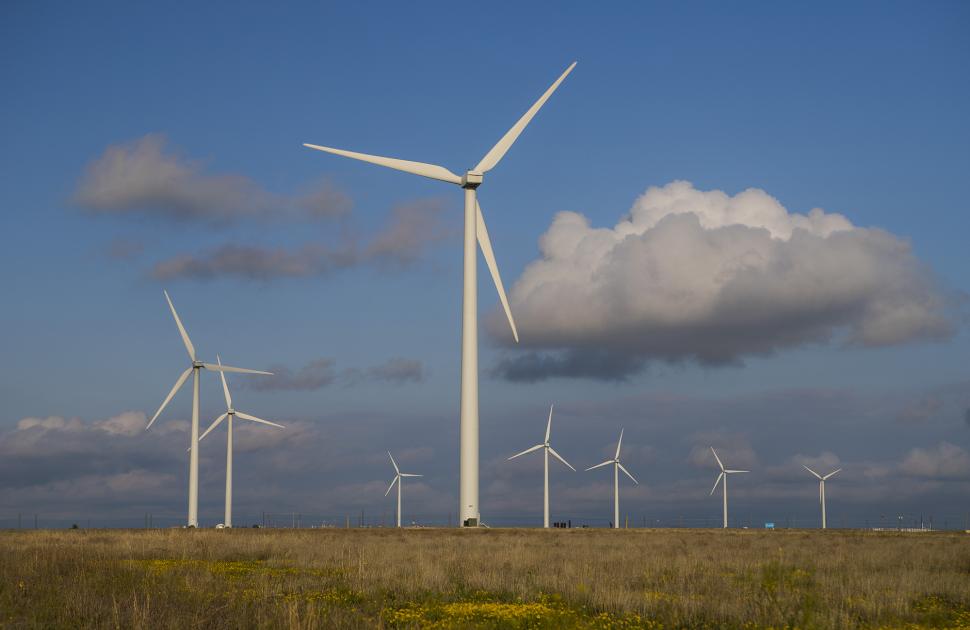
(358, 578)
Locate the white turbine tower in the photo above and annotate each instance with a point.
(821, 488)
(193, 519)
(468, 509)
(617, 467)
(230, 414)
(399, 480)
(724, 473)
(547, 451)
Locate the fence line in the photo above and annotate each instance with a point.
(363, 519)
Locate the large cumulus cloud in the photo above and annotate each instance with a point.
(705, 276)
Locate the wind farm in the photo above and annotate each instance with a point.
(730, 237)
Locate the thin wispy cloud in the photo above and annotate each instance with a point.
(148, 179)
(323, 372)
(691, 275)
(403, 240)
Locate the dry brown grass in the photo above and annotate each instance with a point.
(486, 578)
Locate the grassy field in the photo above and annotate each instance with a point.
(365, 578)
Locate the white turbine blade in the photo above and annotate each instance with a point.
(736, 471)
(618, 443)
(246, 416)
(559, 457)
(821, 484)
(718, 459)
(416, 168)
(486, 244)
(213, 425)
(717, 481)
(394, 481)
(225, 385)
(495, 155)
(549, 425)
(831, 473)
(394, 463)
(526, 451)
(175, 388)
(228, 368)
(811, 471)
(627, 473)
(606, 463)
(410, 475)
(178, 322)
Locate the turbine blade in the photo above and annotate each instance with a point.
(717, 481)
(549, 425)
(246, 416)
(228, 368)
(821, 484)
(178, 322)
(493, 157)
(618, 443)
(627, 473)
(213, 425)
(394, 481)
(394, 463)
(736, 471)
(559, 457)
(486, 244)
(526, 451)
(225, 385)
(606, 463)
(410, 475)
(831, 473)
(415, 168)
(718, 459)
(175, 388)
(811, 471)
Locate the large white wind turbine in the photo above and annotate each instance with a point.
(468, 509)
(724, 473)
(193, 520)
(230, 414)
(821, 488)
(547, 451)
(617, 467)
(399, 480)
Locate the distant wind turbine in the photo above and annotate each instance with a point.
(193, 519)
(821, 488)
(230, 414)
(469, 508)
(723, 475)
(617, 466)
(399, 480)
(547, 451)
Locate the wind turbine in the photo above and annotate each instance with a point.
(724, 473)
(547, 451)
(230, 414)
(475, 230)
(617, 467)
(398, 479)
(193, 520)
(821, 488)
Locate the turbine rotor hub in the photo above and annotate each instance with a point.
(198, 364)
(472, 179)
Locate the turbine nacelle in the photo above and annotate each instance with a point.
(472, 179)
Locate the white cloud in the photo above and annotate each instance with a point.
(947, 461)
(701, 275)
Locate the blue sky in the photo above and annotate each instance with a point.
(856, 109)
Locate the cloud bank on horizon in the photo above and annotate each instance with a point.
(708, 277)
